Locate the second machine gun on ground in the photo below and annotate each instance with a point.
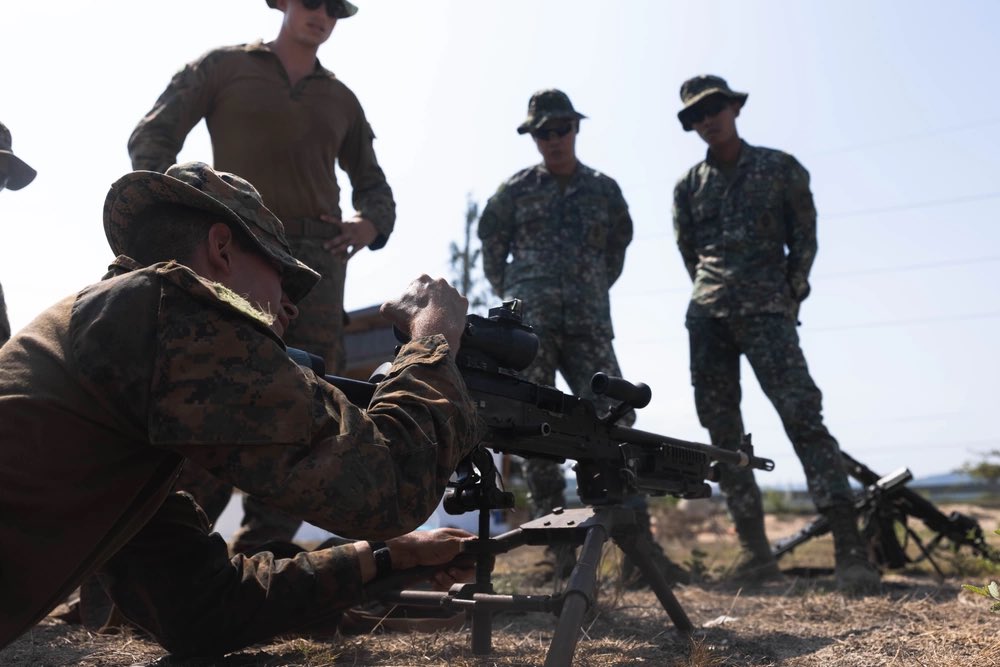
(883, 507)
(612, 463)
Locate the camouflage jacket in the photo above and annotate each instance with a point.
(733, 233)
(565, 248)
(284, 139)
(105, 393)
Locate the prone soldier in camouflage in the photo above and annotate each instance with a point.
(279, 119)
(565, 228)
(107, 392)
(746, 228)
(14, 175)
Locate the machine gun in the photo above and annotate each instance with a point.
(612, 463)
(884, 507)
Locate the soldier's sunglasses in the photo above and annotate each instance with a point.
(550, 132)
(710, 107)
(333, 7)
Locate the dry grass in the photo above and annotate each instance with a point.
(918, 620)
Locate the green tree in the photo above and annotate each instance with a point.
(988, 469)
(467, 276)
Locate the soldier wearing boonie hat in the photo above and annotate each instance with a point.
(197, 186)
(700, 88)
(307, 121)
(566, 227)
(545, 106)
(106, 393)
(746, 228)
(14, 175)
(340, 9)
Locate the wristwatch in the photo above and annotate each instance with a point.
(383, 559)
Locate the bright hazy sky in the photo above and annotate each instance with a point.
(892, 106)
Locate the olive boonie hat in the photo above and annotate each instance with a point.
(344, 10)
(198, 186)
(18, 172)
(700, 87)
(546, 105)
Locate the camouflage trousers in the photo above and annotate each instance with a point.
(577, 358)
(177, 581)
(4, 322)
(771, 345)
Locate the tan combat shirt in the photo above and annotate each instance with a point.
(105, 393)
(284, 139)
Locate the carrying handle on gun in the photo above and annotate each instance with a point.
(635, 395)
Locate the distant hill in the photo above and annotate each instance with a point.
(945, 479)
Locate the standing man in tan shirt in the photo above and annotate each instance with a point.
(281, 120)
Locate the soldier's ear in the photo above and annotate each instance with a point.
(219, 248)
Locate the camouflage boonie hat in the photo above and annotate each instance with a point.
(344, 10)
(701, 87)
(198, 186)
(546, 105)
(18, 172)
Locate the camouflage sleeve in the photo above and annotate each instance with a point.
(234, 403)
(619, 236)
(159, 136)
(684, 227)
(496, 228)
(4, 322)
(370, 193)
(800, 229)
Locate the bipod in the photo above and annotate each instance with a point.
(590, 526)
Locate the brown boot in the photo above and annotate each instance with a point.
(854, 574)
(756, 563)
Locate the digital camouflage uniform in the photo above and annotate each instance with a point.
(107, 392)
(567, 249)
(14, 175)
(733, 233)
(285, 140)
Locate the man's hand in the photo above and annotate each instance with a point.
(355, 234)
(424, 547)
(429, 307)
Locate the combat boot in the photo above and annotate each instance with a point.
(854, 574)
(756, 563)
(674, 574)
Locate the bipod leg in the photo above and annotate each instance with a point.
(639, 554)
(577, 598)
(926, 550)
(482, 615)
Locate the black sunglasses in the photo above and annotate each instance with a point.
(706, 109)
(550, 132)
(333, 7)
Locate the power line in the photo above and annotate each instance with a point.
(917, 205)
(906, 137)
(908, 267)
(859, 325)
(947, 263)
(933, 203)
(919, 320)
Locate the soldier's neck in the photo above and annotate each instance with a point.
(728, 153)
(298, 59)
(565, 168)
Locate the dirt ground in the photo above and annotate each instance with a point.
(918, 619)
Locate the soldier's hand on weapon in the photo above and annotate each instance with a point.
(355, 233)
(429, 306)
(425, 548)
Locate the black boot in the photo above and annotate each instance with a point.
(755, 563)
(855, 575)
